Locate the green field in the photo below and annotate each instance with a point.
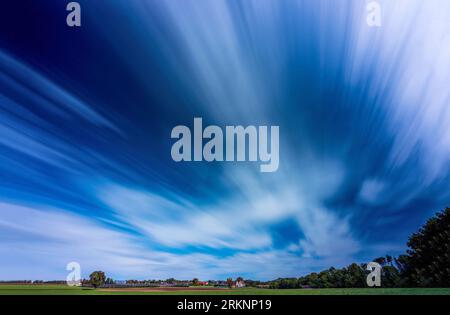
(65, 290)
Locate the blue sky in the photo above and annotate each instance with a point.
(86, 116)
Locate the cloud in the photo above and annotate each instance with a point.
(372, 191)
(38, 243)
(176, 221)
(326, 235)
(234, 223)
(35, 87)
(408, 75)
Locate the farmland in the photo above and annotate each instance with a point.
(66, 290)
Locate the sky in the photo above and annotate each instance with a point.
(86, 114)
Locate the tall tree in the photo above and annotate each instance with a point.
(97, 278)
(428, 262)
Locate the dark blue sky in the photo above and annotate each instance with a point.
(86, 115)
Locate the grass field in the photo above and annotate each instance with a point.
(65, 290)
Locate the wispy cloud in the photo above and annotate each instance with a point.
(38, 89)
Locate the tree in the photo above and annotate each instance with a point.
(195, 281)
(355, 276)
(313, 280)
(229, 282)
(390, 277)
(389, 259)
(339, 278)
(325, 278)
(97, 278)
(428, 256)
(402, 263)
(380, 260)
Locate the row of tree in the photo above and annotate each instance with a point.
(426, 263)
(353, 276)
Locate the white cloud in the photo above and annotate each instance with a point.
(238, 223)
(326, 235)
(372, 191)
(59, 237)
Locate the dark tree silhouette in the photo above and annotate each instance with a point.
(427, 262)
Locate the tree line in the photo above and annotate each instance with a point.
(426, 263)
